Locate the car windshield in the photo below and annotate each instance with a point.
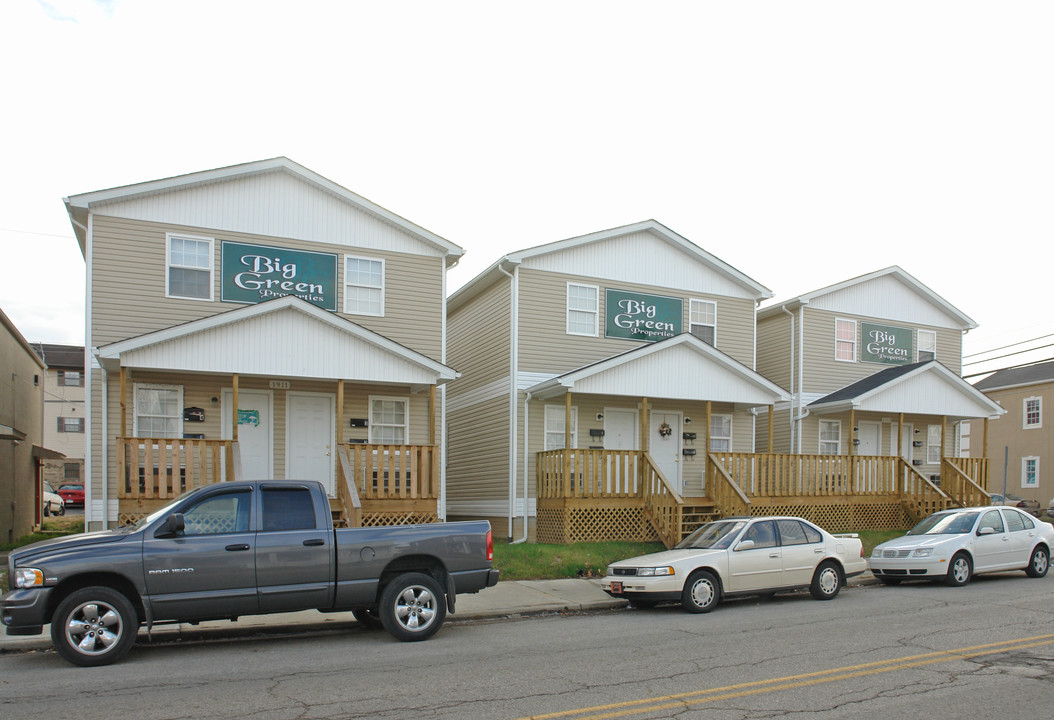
(954, 523)
(715, 535)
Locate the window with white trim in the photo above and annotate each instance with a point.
(933, 444)
(845, 340)
(1030, 472)
(158, 411)
(583, 309)
(71, 378)
(702, 320)
(830, 437)
(927, 345)
(71, 424)
(188, 267)
(363, 286)
(720, 433)
(389, 420)
(555, 426)
(1032, 410)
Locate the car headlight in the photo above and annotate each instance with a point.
(649, 572)
(610, 571)
(877, 552)
(28, 578)
(922, 552)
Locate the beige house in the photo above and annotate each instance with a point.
(1023, 439)
(261, 321)
(873, 368)
(64, 411)
(21, 433)
(598, 372)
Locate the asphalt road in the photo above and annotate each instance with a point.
(986, 650)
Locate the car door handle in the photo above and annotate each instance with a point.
(774, 555)
(234, 548)
(819, 551)
(314, 542)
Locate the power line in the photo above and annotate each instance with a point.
(1011, 367)
(1019, 352)
(1004, 347)
(30, 232)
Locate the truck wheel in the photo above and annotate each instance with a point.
(94, 626)
(412, 607)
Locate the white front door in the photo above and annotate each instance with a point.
(309, 438)
(870, 436)
(664, 445)
(255, 431)
(620, 433)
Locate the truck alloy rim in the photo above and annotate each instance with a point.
(93, 627)
(415, 608)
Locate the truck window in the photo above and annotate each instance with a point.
(288, 509)
(227, 513)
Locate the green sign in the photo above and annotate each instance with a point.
(635, 316)
(249, 417)
(256, 273)
(886, 345)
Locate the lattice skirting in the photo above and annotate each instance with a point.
(841, 517)
(564, 526)
(377, 519)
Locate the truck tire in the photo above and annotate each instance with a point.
(94, 626)
(413, 607)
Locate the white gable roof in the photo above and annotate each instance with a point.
(276, 198)
(285, 337)
(890, 294)
(702, 373)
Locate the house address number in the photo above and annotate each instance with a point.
(279, 384)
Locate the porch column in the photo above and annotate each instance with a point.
(900, 435)
(852, 449)
(124, 410)
(644, 424)
(234, 410)
(984, 446)
(432, 415)
(340, 411)
(944, 423)
(568, 481)
(772, 412)
(709, 414)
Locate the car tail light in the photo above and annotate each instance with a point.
(490, 546)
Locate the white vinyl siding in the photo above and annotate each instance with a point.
(1032, 412)
(702, 320)
(363, 286)
(188, 267)
(389, 420)
(927, 345)
(721, 433)
(555, 417)
(1029, 472)
(71, 378)
(583, 309)
(158, 411)
(830, 437)
(845, 340)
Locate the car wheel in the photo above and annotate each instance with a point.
(889, 581)
(94, 626)
(959, 570)
(412, 607)
(368, 618)
(701, 593)
(1039, 563)
(827, 581)
(47, 509)
(62, 510)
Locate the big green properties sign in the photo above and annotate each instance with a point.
(255, 273)
(885, 344)
(635, 316)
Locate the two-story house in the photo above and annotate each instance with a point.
(64, 420)
(1022, 439)
(873, 368)
(597, 374)
(261, 321)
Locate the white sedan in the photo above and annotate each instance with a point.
(739, 556)
(955, 545)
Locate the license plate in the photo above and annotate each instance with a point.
(616, 587)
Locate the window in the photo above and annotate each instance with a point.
(927, 345)
(991, 519)
(845, 340)
(388, 420)
(158, 411)
(763, 533)
(791, 533)
(287, 509)
(71, 425)
(1030, 472)
(583, 310)
(830, 437)
(218, 514)
(555, 416)
(363, 286)
(71, 378)
(189, 265)
(702, 320)
(720, 433)
(71, 472)
(1014, 522)
(933, 444)
(1033, 413)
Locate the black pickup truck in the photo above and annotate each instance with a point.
(240, 548)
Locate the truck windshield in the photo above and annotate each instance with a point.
(715, 535)
(143, 522)
(953, 523)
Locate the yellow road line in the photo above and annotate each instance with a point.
(697, 697)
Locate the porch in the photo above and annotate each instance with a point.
(592, 494)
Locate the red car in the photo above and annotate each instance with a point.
(72, 493)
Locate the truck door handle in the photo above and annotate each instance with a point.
(314, 542)
(237, 547)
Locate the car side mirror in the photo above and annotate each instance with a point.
(173, 526)
(745, 545)
(986, 531)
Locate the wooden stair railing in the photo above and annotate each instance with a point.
(347, 493)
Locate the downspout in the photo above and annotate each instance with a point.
(442, 401)
(88, 429)
(105, 434)
(793, 414)
(802, 414)
(526, 442)
(513, 379)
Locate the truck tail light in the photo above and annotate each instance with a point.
(490, 546)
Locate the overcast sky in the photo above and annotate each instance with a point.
(804, 143)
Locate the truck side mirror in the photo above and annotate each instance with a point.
(173, 526)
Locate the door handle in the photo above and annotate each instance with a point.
(314, 542)
(774, 555)
(233, 548)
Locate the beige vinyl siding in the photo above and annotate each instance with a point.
(545, 345)
(949, 347)
(478, 339)
(774, 350)
(128, 285)
(478, 452)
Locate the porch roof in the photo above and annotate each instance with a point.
(682, 368)
(925, 388)
(284, 337)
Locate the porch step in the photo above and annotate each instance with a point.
(336, 510)
(694, 514)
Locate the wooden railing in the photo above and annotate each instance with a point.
(921, 496)
(662, 505)
(347, 493)
(723, 490)
(579, 473)
(787, 475)
(381, 472)
(162, 468)
(960, 486)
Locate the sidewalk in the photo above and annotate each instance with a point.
(509, 598)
